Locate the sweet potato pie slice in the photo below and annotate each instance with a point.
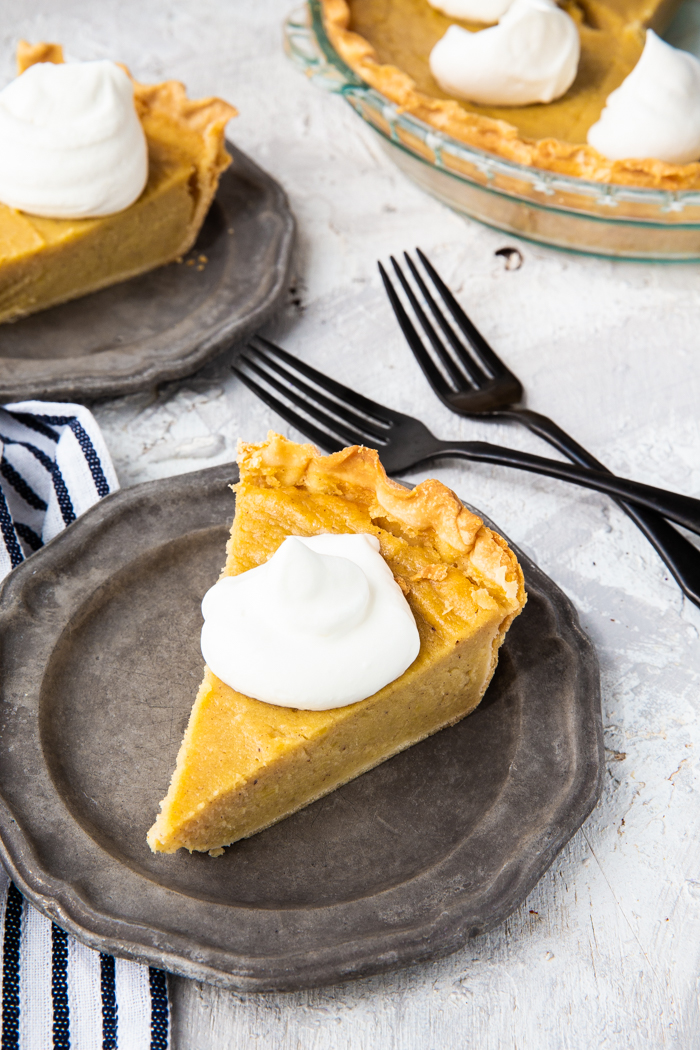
(244, 764)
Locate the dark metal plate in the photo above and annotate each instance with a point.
(167, 323)
(99, 642)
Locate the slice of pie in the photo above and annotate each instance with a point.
(47, 261)
(388, 43)
(244, 764)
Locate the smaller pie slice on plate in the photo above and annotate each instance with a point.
(45, 261)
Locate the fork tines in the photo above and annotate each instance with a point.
(455, 357)
(329, 413)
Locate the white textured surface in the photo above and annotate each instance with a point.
(606, 951)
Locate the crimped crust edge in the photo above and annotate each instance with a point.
(430, 507)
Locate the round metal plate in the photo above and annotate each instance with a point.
(99, 635)
(167, 323)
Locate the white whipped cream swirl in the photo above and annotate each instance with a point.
(530, 56)
(71, 143)
(322, 624)
(656, 110)
(486, 11)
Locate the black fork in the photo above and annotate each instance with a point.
(468, 377)
(333, 416)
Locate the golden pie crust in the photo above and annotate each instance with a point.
(46, 261)
(243, 764)
(387, 43)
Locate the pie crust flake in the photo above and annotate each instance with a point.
(46, 261)
(387, 44)
(243, 764)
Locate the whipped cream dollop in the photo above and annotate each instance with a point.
(322, 624)
(530, 56)
(656, 110)
(71, 143)
(486, 11)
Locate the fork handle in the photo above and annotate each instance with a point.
(683, 509)
(680, 555)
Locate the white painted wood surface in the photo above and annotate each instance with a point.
(605, 952)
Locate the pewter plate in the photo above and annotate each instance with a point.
(167, 323)
(99, 643)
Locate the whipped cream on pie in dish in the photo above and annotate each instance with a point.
(530, 56)
(656, 110)
(71, 143)
(486, 11)
(320, 625)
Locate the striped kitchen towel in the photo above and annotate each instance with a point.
(56, 993)
(54, 464)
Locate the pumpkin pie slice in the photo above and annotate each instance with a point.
(388, 43)
(47, 261)
(244, 764)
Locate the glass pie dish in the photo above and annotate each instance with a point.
(558, 210)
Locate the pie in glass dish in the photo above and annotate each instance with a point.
(245, 764)
(387, 43)
(44, 261)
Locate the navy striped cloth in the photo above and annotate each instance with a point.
(56, 993)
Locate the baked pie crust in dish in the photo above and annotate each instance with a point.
(243, 764)
(46, 261)
(387, 44)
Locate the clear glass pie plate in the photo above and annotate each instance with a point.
(562, 211)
